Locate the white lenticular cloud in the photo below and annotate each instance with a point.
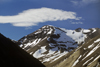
(32, 17)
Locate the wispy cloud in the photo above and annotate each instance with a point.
(32, 17)
(76, 22)
(83, 2)
(27, 28)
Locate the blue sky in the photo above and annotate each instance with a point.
(21, 17)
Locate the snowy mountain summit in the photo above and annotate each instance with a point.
(50, 43)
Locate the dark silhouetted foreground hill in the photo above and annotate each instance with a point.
(11, 55)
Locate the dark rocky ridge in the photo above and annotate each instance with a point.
(13, 56)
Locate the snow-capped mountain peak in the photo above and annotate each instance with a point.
(50, 43)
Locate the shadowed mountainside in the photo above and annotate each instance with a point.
(13, 56)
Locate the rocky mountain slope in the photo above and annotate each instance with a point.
(59, 47)
(11, 55)
(86, 55)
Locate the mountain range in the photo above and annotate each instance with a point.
(59, 47)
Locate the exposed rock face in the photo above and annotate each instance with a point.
(13, 56)
(52, 45)
(78, 29)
